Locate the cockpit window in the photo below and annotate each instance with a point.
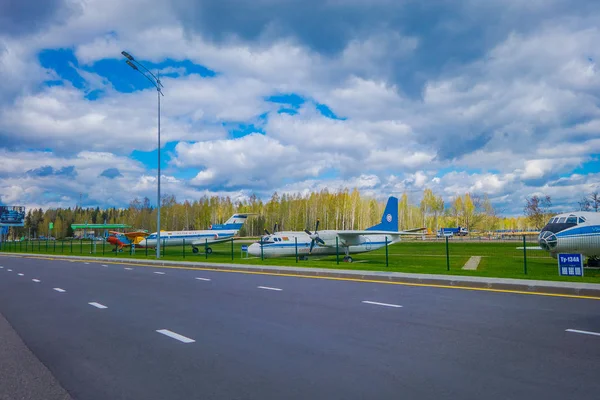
(562, 220)
(581, 220)
(572, 220)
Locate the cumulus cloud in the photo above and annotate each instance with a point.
(494, 97)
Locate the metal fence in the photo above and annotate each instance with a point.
(482, 256)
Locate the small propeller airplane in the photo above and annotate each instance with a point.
(328, 242)
(121, 240)
(575, 232)
(215, 234)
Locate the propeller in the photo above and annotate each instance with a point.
(274, 229)
(314, 236)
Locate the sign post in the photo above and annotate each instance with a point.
(570, 265)
(244, 250)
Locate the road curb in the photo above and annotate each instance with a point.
(558, 288)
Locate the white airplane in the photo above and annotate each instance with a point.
(283, 244)
(576, 232)
(215, 234)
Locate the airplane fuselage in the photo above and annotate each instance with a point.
(285, 244)
(193, 238)
(577, 232)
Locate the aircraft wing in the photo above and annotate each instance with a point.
(133, 235)
(415, 231)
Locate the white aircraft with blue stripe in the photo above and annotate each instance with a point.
(196, 239)
(329, 242)
(575, 232)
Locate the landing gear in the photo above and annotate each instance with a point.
(347, 257)
(195, 250)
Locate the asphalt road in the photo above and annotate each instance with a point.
(254, 336)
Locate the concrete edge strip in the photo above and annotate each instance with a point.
(445, 283)
(24, 375)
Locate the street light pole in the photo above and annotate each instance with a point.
(155, 80)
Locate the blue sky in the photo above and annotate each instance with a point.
(496, 98)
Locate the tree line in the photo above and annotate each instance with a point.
(342, 209)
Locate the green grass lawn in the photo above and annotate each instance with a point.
(499, 259)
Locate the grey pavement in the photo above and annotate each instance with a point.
(22, 375)
(273, 337)
(529, 285)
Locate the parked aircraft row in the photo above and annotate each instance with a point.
(577, 232)
(279, 244)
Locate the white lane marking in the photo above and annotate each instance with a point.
(20, 274)
(584, 332)
(381, 304)
(97, 305)
(160, 273)
(9, 270)
(203, 279)
(176, 336)
(59, 290)
(128, 269)
(86, 263)
(104, 265)
(269, 288)
(36, 280)
(1, 267)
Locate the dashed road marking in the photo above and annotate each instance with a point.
(59, 290)
(175, 336)
(382, 304)
(203, 279)
(128, 269)
(9, 270)
(160, 273)
(36, 280)
(20, 274)
(269, 288)
(104, 265)
(97, 305)
(583, 332)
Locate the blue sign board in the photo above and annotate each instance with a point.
(570, 265)
(12, 216)
(244, 247)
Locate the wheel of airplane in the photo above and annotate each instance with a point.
(349, 259)
(195, 250)
(208, 250)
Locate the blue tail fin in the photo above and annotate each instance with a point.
(389, 220)
(234, 223)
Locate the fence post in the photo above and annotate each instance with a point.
(27, 245)
(262, 256)
(20, 245)
(71, 245)
(386, 252)
(206, 248)
(146, 248)
(447, 256)
(337, 250)
(54, 246)
(39, 245)
(183, 250)
(46, 245)
(231, 249)
(524, 255)
(103, 242)
(62, 246)
(296, 246)
(163, 246)
(81, 246)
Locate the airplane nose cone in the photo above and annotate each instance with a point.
(254, 249)
(547, 240)
(142, 243)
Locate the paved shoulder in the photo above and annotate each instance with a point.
(23, 375)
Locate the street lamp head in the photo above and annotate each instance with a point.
(126, 54)
(132, 65)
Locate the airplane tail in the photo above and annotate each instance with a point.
(234, 223)
(389, 220)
